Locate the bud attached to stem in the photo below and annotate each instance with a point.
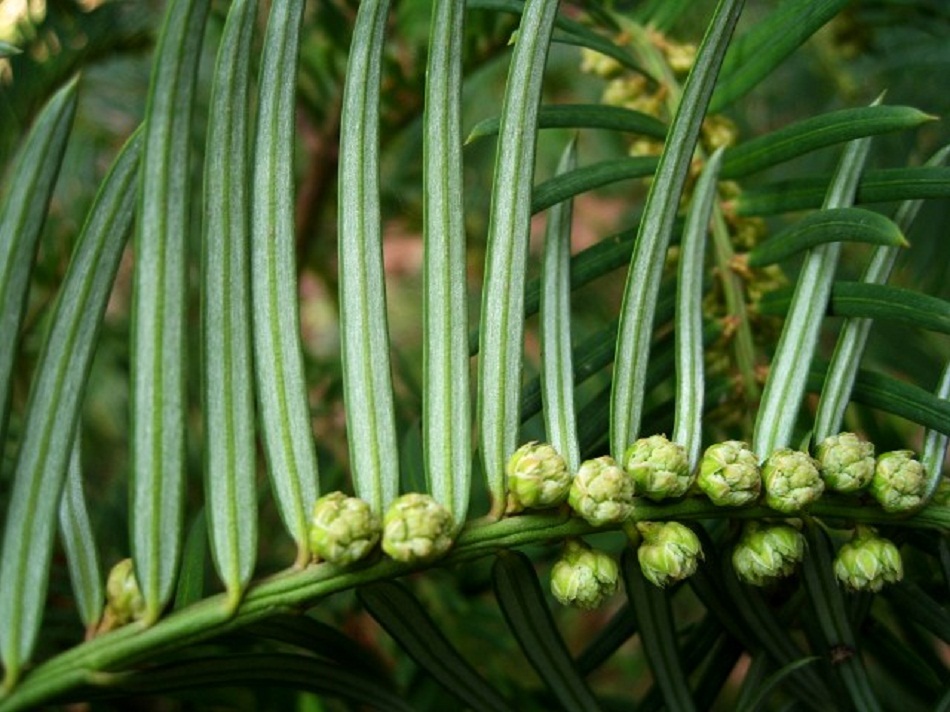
(767, 552)
(124, 600)
(868, 561)
(846, 462)
(343, 529)
(791, 480)
(669, 552)
(899, 481)
(416, 528)
(659, 468)
(601, 493)
(584, 577)
(537, 477)
(729, 474)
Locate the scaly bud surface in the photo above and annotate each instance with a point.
(584, 577)
(659, 468)
(416, 528)
(343, 529)
(846, 462)
(601, 493)
(124, 601)
(791, 480)
(766, 552)
(899, 481)
(537, 477)
(868, 561)
(729, 474)
(669, 552)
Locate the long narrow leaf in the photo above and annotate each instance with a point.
(788, 373)
(79, 543)
(367, 381)
(581, 116)
(522, 602)
(854, 333)
(832, 618)
(754, 55)
(817, 132)
(826, 226)
(618, 630)
(446, 415)
(876, 186)
(557, 369)
(230, 453)
(278, 360)
(30, 185)
(690, 387)
(502, 316)
(657, 634)
(934, 452)
(653, 238)
(406, 620)
(159, 289)
(190, 587)
(53, 411)
(579, 180)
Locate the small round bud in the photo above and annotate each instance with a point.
(899, 481)
(767, 552)
(669, 552)
(729, 474)
(601, 493)
(537, 477)
(416, 528)
(846, 462)
(791, 480)
(584, 577)
(659, 468)
(868, 561)
(342, 529)
(124, 601)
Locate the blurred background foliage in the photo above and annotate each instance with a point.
(898, 46)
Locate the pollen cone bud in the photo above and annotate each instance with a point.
(899, 481)
(601, 493)
(659, 468)
(124, 601)
(669, 552)
(343, 529)
(846, 462)
(791, 480)
(584, 577)
(416, 528)
(766, 552)
(729, 474)
(868, 561)
(537, 477)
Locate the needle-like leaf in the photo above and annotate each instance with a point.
(656, 227)
(446, 414)
(557, 369)
(364, 333)
(278, 360)
(159, 297)
(53, 411)
(502, 318)
(22, 215)
(582, 116)
(227, 390)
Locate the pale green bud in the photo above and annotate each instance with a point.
(767, 552)
(583, 577)
(669, 552)
(659, 468)
(729, 474)
(868, 561)
(846, 462)
(342, 529)
(124, 601)
(791, 480)
(537, 477)
(941, 495)
(601, 493)
(417, 528)
(899, 481)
